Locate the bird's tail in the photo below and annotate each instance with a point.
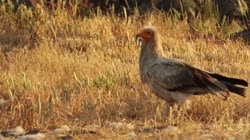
(234, 85)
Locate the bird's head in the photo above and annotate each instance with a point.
(146, 35)
(151, 41)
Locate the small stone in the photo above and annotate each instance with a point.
(172, 130)
(62, 130)
(93, 127)
(119, 125)
(116, 125)
(208, 136)
(2, 101)
(132, 135)
(130, 126)
(231, 138)
(13, 132)
(150, 135)
(38, 136)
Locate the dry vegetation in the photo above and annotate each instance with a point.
(57, 68)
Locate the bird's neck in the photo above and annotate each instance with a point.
(151, 50)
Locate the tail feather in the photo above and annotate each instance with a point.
(238, 90)
(233, 84)
(233, 81)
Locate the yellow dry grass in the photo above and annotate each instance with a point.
(60, 69)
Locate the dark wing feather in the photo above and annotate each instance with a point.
(229, 80)
(178, 76)
(234, 85)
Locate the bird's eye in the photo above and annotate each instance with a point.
(147, 32)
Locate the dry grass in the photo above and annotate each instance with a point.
(60, 69)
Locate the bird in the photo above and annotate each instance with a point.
(175, 81)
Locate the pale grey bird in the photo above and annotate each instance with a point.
(174, 80)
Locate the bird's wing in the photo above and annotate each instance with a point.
(174, 75)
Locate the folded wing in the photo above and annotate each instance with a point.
(174, 75)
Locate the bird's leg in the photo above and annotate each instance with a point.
(174, 109)
(185, 105)
(170, 108)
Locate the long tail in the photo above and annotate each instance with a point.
(234, 85)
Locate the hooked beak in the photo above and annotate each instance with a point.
(137, 39)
